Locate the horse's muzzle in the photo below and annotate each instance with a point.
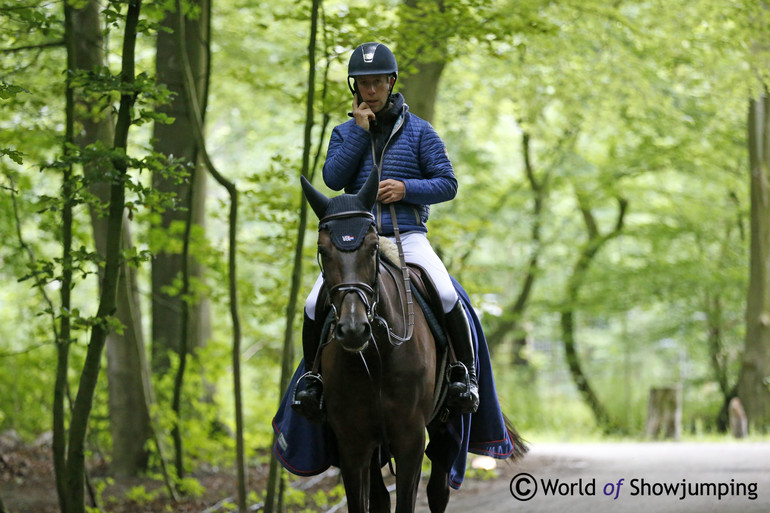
(353, 335)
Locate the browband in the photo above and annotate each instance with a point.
(346, 214)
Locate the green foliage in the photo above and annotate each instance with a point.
(191, 487)
(624, 114)
(14, 155)
(100, 485)
(141, 496)
(8, 91)
(644, 100)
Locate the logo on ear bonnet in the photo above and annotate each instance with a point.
(348, 233)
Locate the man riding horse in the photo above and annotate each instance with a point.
(414, 172)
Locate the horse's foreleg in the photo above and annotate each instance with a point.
(379, 497)
(408, 452)
(438, 489)
(354, 467)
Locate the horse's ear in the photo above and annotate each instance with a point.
(318, 202)
(368, 193)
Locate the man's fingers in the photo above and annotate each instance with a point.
(362, 113)
(366, 109)
(390, 191)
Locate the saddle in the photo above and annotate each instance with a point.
(426, 295)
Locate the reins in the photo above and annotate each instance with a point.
(407, 281)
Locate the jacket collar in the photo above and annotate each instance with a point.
(389, 115)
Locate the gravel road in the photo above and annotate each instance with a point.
(628, 477)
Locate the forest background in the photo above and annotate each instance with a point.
(611, 224)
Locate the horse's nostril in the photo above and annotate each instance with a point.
(361, 330)
(353, 336)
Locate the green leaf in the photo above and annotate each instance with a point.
(13, 155)
(8, 91)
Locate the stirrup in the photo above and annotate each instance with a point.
(310, 404)
(462, 391)
(313, 378)
(459, 370)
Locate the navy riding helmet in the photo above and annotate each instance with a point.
(371, 59)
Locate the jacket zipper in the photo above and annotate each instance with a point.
(378, 165)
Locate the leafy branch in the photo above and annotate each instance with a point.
(39, 46)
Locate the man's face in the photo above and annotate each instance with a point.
(374, 90)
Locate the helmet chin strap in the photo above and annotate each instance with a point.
(390, 92)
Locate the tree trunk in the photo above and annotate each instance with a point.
(178, 140)
(753, 383)
(739, 425)
(109, 284)
(516, 312)
(129, 415)
(274, 495)
(579, 377)
(128, 411)
(63, 340)
(664, 413)
(195, 108)
(420, 88)
(181, 325)
(595, 242)
(718, 358)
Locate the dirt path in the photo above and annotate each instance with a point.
(653, 477)
(581, 478)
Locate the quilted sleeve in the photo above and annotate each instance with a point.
(438, 182)
(347, 145)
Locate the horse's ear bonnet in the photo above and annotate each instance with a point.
(318, 202)
(347, 216)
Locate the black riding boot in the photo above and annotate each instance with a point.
(308, 395)
(463, 393)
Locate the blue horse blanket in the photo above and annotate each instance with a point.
(307, 449)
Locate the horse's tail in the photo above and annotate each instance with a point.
(520, 447)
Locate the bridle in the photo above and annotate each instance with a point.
(364, 291)
(360, 288)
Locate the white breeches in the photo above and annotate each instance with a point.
(417, 250)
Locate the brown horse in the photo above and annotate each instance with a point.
(379, 382)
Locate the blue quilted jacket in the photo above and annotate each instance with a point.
(414, 154)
